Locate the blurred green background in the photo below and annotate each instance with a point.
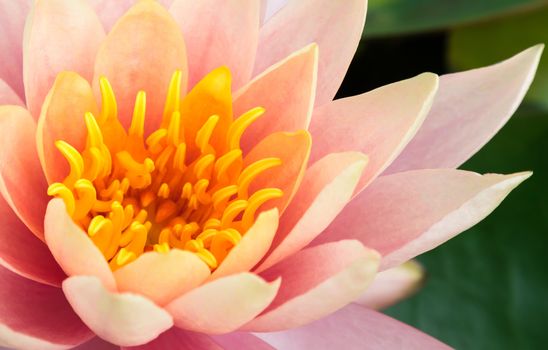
(487, 288)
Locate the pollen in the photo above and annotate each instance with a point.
(132, 193)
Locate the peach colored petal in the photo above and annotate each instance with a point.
(219, 33)
(253, 246)
(392, 285)
(241, 340)
(162, 277)
(316, 282)
(8, 96)
(26, 320)
(354, 328)
(62, 118)
(432, 207)
(223, 305)
(22, 182)
(336, 26)
(71, 246)
(120, 318)
(326, 188)
(286, 91)
(378, 123)
(294, 150)
(179, 339)
(133, 59)
(53, 43)
(468, 110)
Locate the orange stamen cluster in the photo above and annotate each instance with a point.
(133, 195)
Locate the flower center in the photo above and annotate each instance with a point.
(133, 195)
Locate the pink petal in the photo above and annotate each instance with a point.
(286, 91)
(223, 305)
(241, 341)
(354, 328)
(393, 285)
(336, 26)
(122, 319)
(8, 96)
(179, 339)
(133, 59)
(97, 344)
(326, 188)
(253, 246)
(378, 123)
(406, 214)
(22, 181)
(162, 277)
(54, 43)
(36, 316)
(269, 8)
(72, 248)
(469, 109)
(316, 282)
(110, 11)
(219, 33)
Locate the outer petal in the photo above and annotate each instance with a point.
(241, 340)
(223, 305)
(53, 43)
(469, 109)
(286, 91)
(336, 26)
(354, 328)
(316, 282)
(326, 188)
(122, 319)
(162, 277)
(97, 344)
(133, 59)
(378, 123)
(406, 214)
(26, 320)
(179, 339)
(8, 96)
(219, 33)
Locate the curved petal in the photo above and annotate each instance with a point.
(316, 282)
(34, 316)
(354, 328)
(219, 33)
(179, 339)
(8, 96)
(133, 59)
(223, 305)
(71, 246)
(286, 91)
(22, 181)
(378, 123)
(336, 26)
(326, 188)
(432, 207)
(468, 110)
(122, 319)
(162, 277)
(53, 43)
(241, 340)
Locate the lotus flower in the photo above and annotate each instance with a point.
(177, 175)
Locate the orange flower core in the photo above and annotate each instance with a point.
(184, 186)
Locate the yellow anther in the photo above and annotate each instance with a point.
(110, 190)
(162, 248)
(163, 159)
(137, 127)
(95, 137)
(232, 211)
(238, 127)
(124, 257)
(59, 190)
(174, 129)
(173, 98)
(222, 196)
(141, 216)
(74, 158)
(94, 163)
(207, 235)
(194, 245)
(186, 193)
(86, 198)
(180, 157)
(256, 200)
(154, 141)
(225, 162)
(207, 257)
(204, 134)
(163, 238)
(200, 189)
(254, 170)
(109, 109)
(163, 191)
(212, 224)
(231, 235)
(203, 166)
(97, 224)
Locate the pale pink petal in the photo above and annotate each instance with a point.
(406, 214)
(241, 341)
(269, 8)
(179, 339)
(97, 344)
(354, 328)
(22, 181)
(133, 59)
(219, 33)
(336, 26)
(162, 277)
(393, 285)
(71, 246)
(34, 316)
(54, 42)
(223, 305)
(110, 11)
(253, 246)
(326, 188)
(468, 110)
(8, 96)
(378, 123)
(316, 282)
(286, 91)
(120, 318)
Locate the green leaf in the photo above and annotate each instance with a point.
(389, 17)
(488, 287)
(490, 42)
